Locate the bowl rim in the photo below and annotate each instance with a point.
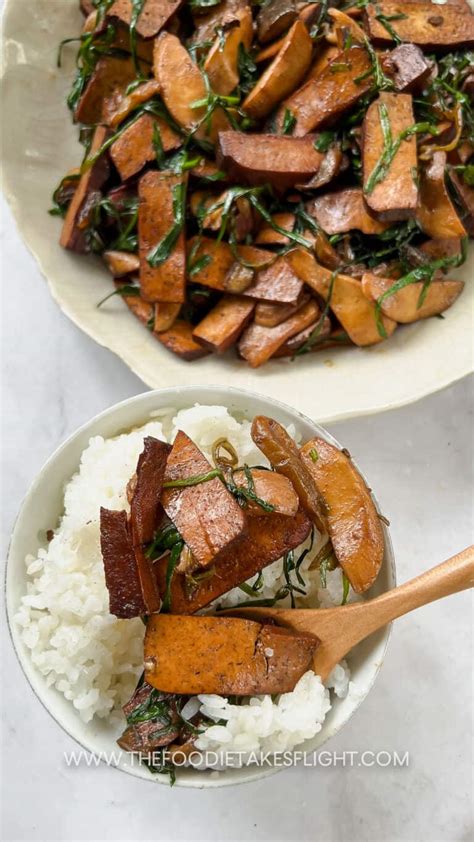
(193, 390)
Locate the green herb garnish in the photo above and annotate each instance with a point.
(243, 495)
(289, 122)
(316, 29)
(290, 565)
(345, 588)
(247, 70)
(137, 8)
(196, 480)
(154, 707)
(268, 218)
(381, 81)
(324, 141)
(198, 265)
(386, 21)
(173, 562)
(156, 764)
(63, 194)
(314, 335)
(203, 4)
(468, 175)
(254, 588)
(124, 290)
(164, 539)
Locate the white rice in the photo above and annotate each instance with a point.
(94, 659)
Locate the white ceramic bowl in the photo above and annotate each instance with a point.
(42, 508)
(41, 145)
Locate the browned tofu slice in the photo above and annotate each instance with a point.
(129, 102)
(274, 18)
(143, 310)
(436, 213)
(219, 260)
(110, 78)
(135, 148)
(145, 506)
(354, 526)
(159, 193)
(343, 211)
(208, 170)
(403, 306)
(333, 163)
(465, 194)
(165, 316)
(346, 299)
(209, 208)
(395, 195)
(283, 75)
(325, 97)
(269, 314)
(267, 539)
(258, 343)
(179, 340)
(183, 84)
(267, 159)
(408, 67)
(224, 655)
(222, 60)
(445, 27)
(120, 263)
(318, 333)
(121, 42)
(154, 15)
(267, 236)
(206, 515)
(276, 281)
(121, 572)
(436, 249)
(74, 231)
(270, 487)
(224, 323)
(128, 574)
(282, 452)
(207, 23)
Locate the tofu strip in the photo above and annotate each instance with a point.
(206, 515)
(268, 538)
(224, 655)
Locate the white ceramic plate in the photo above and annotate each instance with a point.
(43, 507)
(40, 145)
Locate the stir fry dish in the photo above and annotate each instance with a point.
(195, 531)
(280, 177)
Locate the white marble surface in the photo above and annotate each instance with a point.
(419, 461)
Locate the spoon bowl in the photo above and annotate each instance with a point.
(340, 629)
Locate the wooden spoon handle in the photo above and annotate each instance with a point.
(455, 574)
(357, 621)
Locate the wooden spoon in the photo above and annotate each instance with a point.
(340, 629)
